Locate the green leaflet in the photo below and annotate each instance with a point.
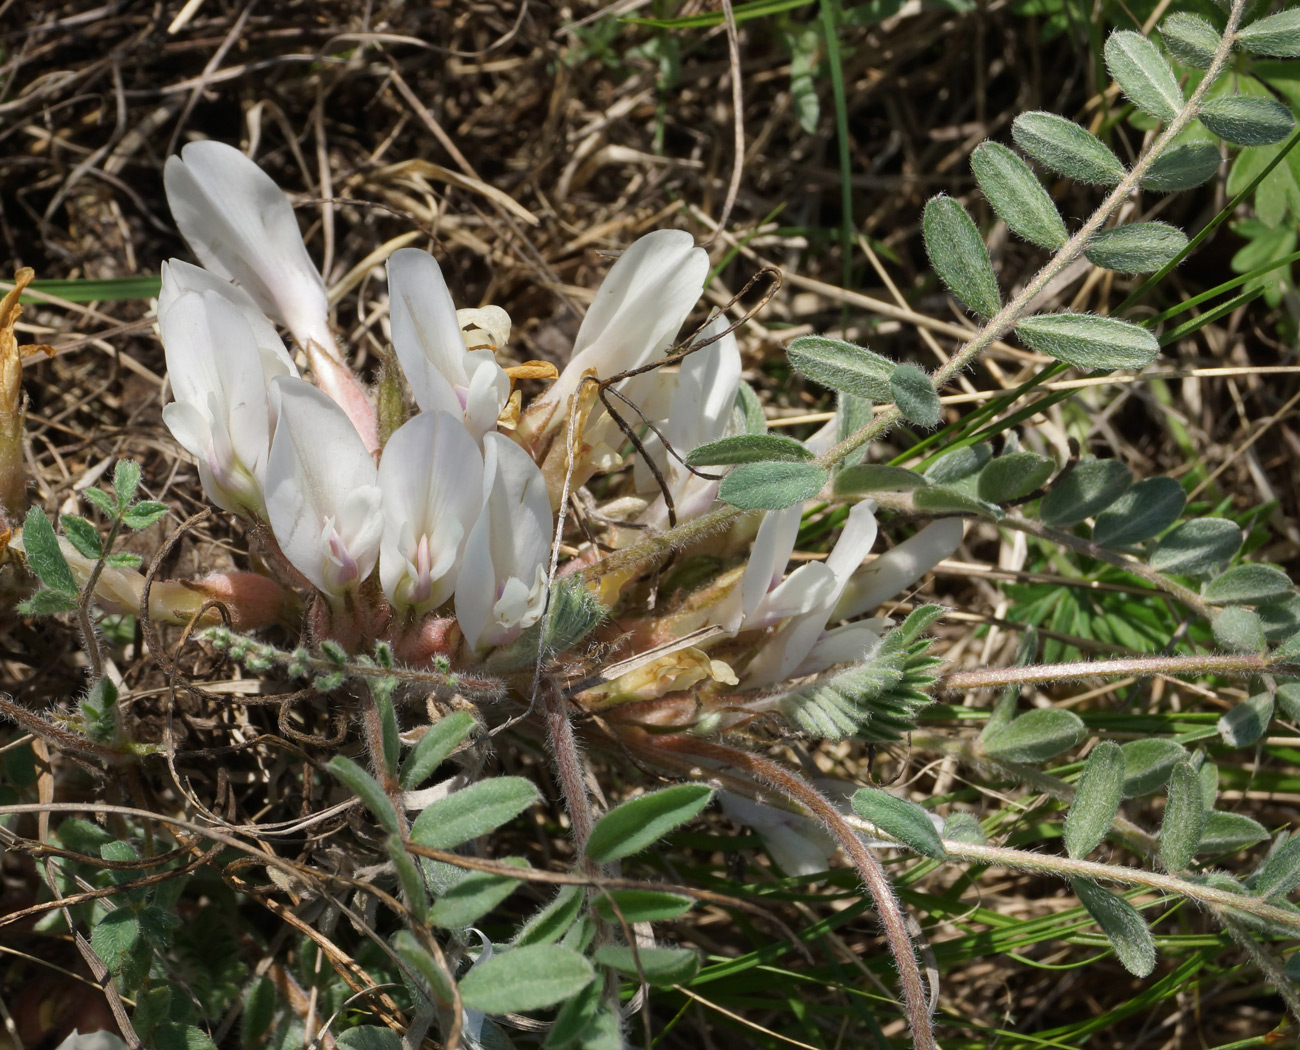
(1014, 476)
(1090, 487)
(748, 448)
(527, 978)
(1183, 167)
(1184, 819)
(1096, 799)
(1196, 547)
(842, 366)
(1247, 722)
(1145, 510)
(959, 257)
(772, 486)
(639, 822)
(1240, 630)
(1066, 148)
(1139, 247)
(915, 396)
(1190, 39)
(1247, 121)
(901, 819)
(1035, 736)
(1123, 926)
(1277, 35)
(1143, 74)
(1089, 342)
(1248, 585)
(1017, 196)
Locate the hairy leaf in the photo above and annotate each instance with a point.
(1089, 342)
(1014, 476)
(1230, 832)
(552, 921)
(876, 477)
(641, 905)
(126, 479)
(1277, 35)
(772, 486)
(1182, 167)
(367, 789)
(1148, 763)
(959, 257)
(472, 896)
(1197, 547)
(748, 448)
(1184, 819)
(915, 396)
(439, 741)
(958, 464)
(1139, 247)
(659, 966)
(1240, 630)
(640, 822)
(1190, 39)
(842, 366)
(1145, 510)
(1036, 735)
(1247, 120)
(1281, 872)
(1096, 799)
(1066, 148)
(472, 811)
(1123, 926)
(44, 556)
(1017, 196)
(1089, 488)
(527, 978)
(1246, 723)
(1143, 74)
(82, 535)
(901, 819)
(1248, 585)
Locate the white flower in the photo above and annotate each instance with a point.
(219, 370)
(102, 1040)
(501, 588)
(322, 495)
(242, 227)
(427, 339)
(431, 476)
(637, 311)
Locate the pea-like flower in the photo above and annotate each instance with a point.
(322, 494)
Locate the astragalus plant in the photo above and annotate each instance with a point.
(606, 565)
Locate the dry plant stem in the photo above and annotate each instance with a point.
(873, 876)
(1142, 666)
(1061, 538)
(647, 552)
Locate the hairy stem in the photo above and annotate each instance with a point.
(568, 769)
(1140, 666)
(869, 869)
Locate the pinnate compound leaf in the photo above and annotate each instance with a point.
(1277, 35)
(901, 819)
(472, 811)
(1089, 488)
(1197, 547)
(1184, 819)
(958, 255)
(1246, 723)
(1138, 247)
(1017, 196)
(639, 822)
(772, 486)
(1230, 832)
(1281, 872)
(1183, 167)
(1240, 630)
(1014, 476)
(842, 366)
(1143, 74)
(1248, 585)
(748, 448)
(1190, 39)
(1148, 764)
(1246, 120)
(1067, 148)
(1123, 926)
(1096, 800)
(44, 556)
(82, 535)
(1145, 510)
(915, 396)
(1036, 735)
(522, 979)
(367, 789)
(660, 966)
(876, 477)
(1089, 342)
(441, 739)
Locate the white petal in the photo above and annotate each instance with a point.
(798, 845)
(431, 475)
(425, 332)
(854, 643)
(242, 227)
(319, 476)
(637, 309)
(897, 570)
(772, 550)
